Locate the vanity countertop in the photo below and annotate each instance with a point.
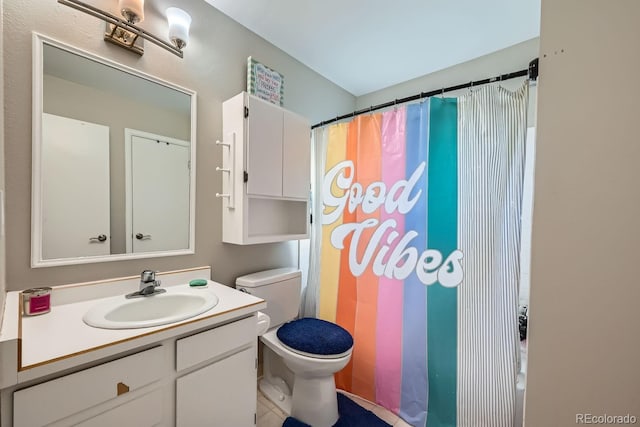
(60, 339)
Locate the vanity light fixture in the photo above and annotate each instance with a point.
(132, 10)
(179, 23)
(125, 33)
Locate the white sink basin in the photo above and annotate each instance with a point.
(161, 309)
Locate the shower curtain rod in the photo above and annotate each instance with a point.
(531, 72)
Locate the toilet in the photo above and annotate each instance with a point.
(300, 356)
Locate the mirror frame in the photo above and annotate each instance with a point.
(38, 43)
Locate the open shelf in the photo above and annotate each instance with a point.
(274, 219)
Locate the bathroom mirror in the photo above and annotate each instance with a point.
(113, 168)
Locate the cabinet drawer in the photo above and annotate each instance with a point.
(144, 411)
(209, 344)
(57, 399)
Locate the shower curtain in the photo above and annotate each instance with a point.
(415, 252)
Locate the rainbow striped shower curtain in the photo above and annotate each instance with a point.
(419, 254)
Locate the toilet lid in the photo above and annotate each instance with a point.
(315, 337)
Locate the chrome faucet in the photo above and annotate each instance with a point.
(148, 282)
(148, 285)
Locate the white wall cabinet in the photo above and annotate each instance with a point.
(212, 375)
(266, 171)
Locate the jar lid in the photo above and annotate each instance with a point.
(37, 291)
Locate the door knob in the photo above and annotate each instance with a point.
(101, 238)
(141, 236)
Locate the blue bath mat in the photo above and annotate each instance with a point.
(351, 415)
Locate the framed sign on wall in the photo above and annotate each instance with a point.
(264, 82)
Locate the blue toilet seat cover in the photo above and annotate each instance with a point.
(315, 336)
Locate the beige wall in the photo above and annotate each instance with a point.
(214, 65)
(504, 61)
(2, 238)
(583, 341)
(68, 99)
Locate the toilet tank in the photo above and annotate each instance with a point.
(280, 288)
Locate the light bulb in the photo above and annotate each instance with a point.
(132, 10)
(179, 22)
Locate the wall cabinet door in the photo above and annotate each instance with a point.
(264, 148)
(278, 151)
(296, 157)
(220, 394)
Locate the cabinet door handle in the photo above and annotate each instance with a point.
(122, 388)
(141, 236)
(101, 238)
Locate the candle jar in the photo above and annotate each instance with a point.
(36, 301)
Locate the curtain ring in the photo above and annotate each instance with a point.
(442, 94)
(470, 86)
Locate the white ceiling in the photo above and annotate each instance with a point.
(367, 45)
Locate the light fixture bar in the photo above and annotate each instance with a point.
(121, 23)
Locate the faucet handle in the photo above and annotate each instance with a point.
(148, 276)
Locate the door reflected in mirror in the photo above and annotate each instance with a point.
(113, 168)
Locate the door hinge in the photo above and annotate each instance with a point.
(255, 418)
(245, 177)
(246, 112)
(311, 219)
(189, 164)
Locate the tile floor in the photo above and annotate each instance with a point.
(269, 415)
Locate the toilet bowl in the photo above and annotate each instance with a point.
(311, 350)
(314, 390)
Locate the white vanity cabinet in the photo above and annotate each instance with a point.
(56, 370)
(266, 171)
(207, 378)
